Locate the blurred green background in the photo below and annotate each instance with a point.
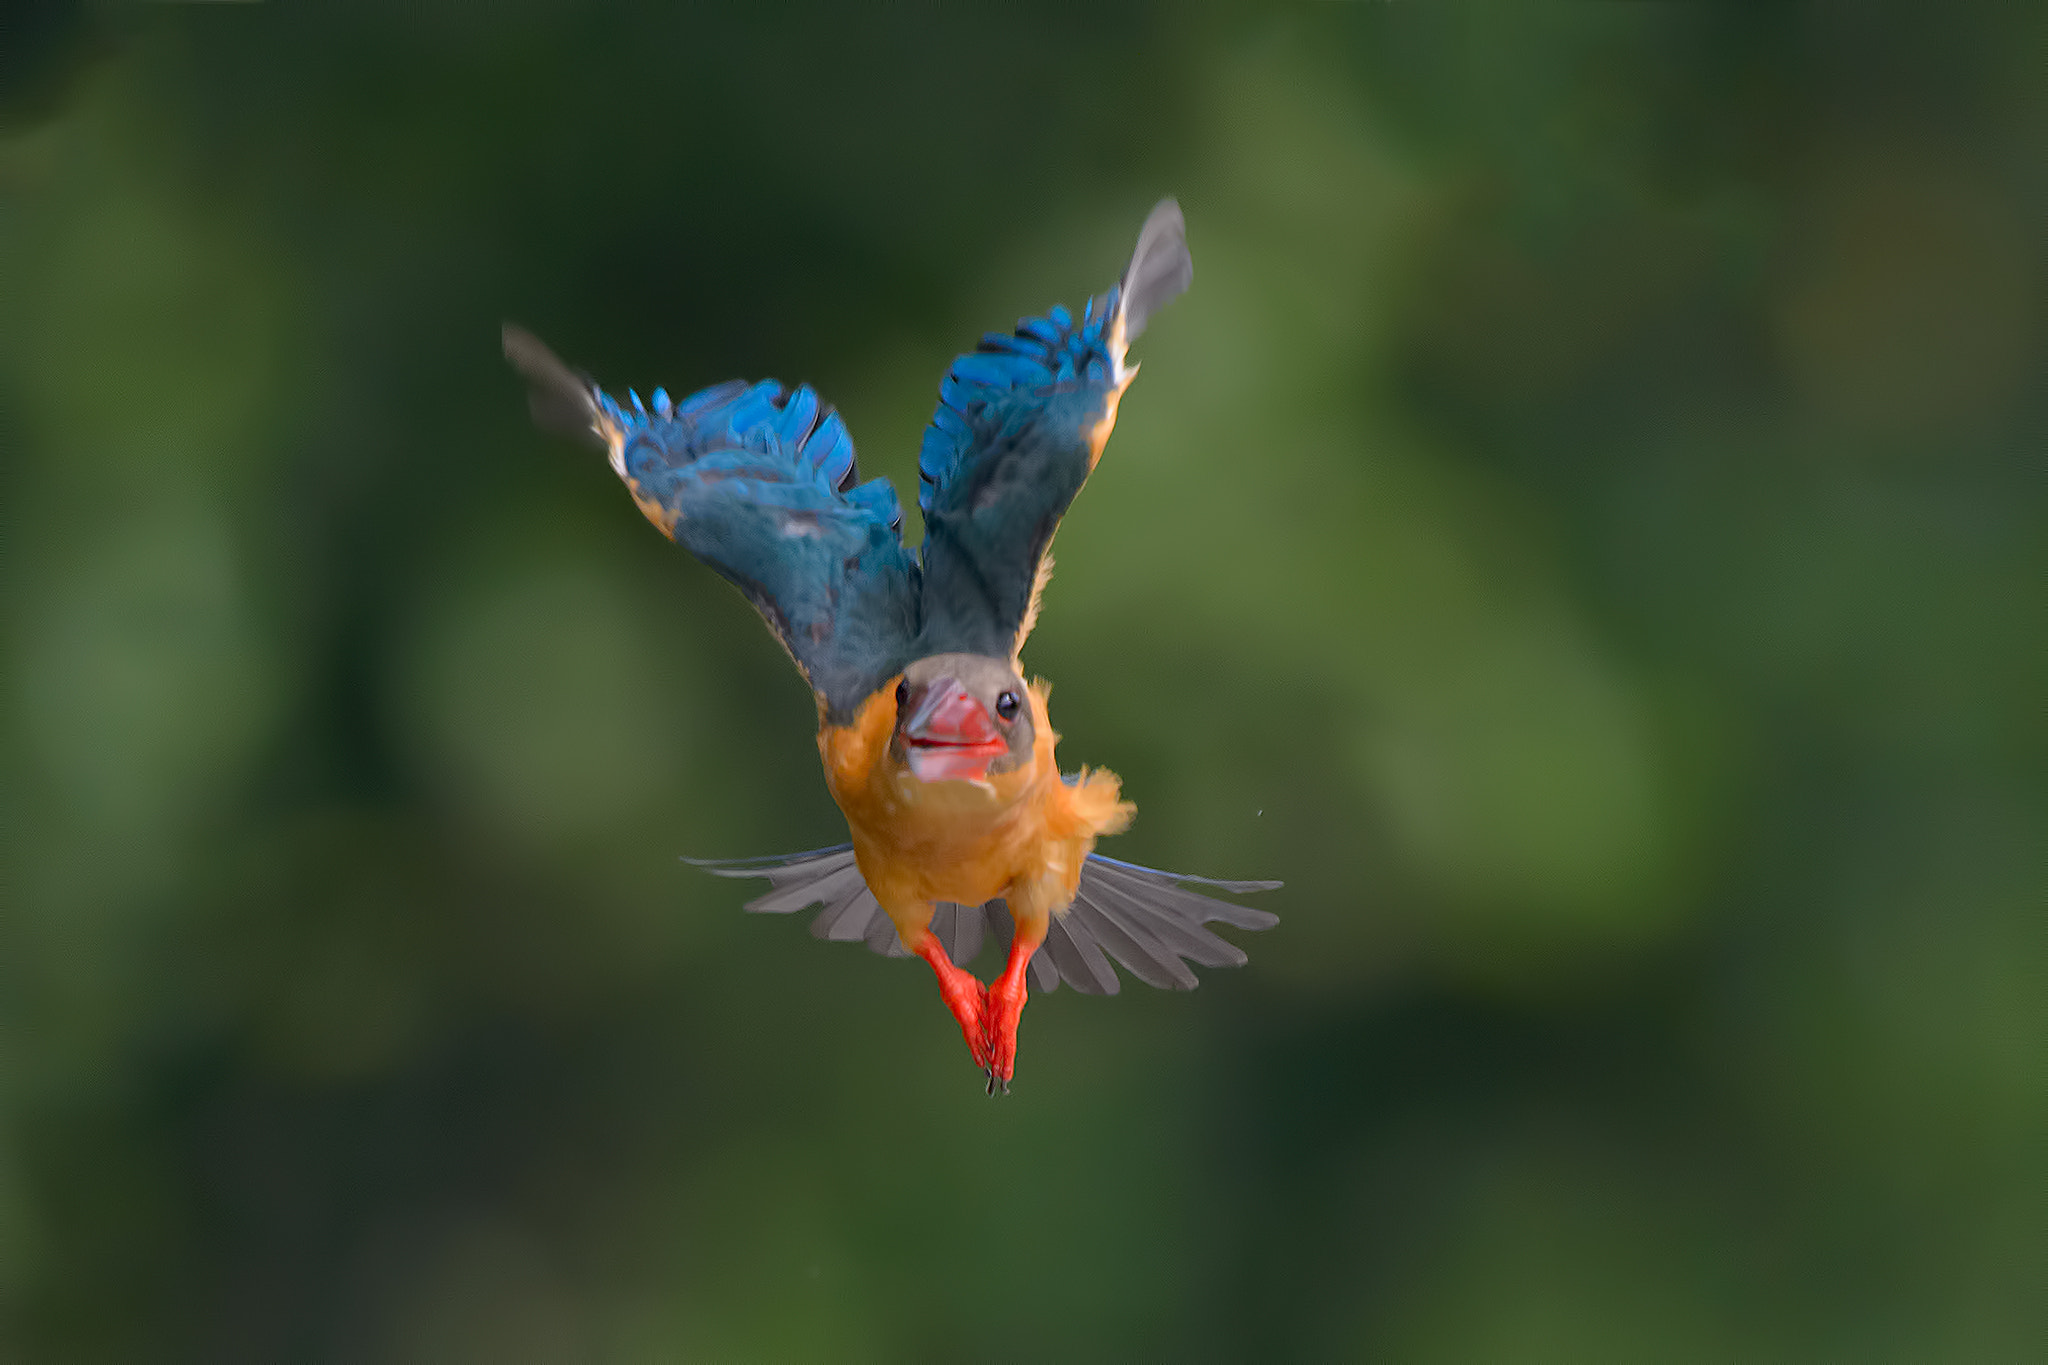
(1584, 529)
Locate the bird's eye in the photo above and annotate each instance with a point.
(1006, 706)
(902, 693)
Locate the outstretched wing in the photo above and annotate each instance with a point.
(1143, 918)
(759, 482)
(1019, 427)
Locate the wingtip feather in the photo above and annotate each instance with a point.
(1160, 270)
(560, 400)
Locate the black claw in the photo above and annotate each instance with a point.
(991, 1074)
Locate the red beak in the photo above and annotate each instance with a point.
(949, 736)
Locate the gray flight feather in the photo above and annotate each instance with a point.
(1044, 974)
(1139, 953)
(882, 936)
(1145, 919)
(1160, 270)
(846, 919)
(1082, 965)
(559, 398)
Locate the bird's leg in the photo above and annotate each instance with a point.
(1006, 1001)
(963, 994)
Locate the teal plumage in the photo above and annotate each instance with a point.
(760, 482)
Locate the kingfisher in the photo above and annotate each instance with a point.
(938, 752)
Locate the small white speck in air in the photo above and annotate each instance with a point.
(1260, 811)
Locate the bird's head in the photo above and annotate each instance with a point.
(962, 717)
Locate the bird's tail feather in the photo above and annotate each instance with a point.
(1144, 919)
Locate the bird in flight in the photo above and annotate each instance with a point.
(936, 749)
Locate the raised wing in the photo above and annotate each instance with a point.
(758, 481)
(1145, 919)
(1019, 427)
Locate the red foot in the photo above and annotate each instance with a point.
(964, 995)
(1005, 1010)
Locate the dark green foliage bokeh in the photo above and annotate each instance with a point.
(1584, 529)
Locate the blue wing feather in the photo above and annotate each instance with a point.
(1019, 425)
(758, 481)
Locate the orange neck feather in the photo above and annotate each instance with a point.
(1021, 834)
